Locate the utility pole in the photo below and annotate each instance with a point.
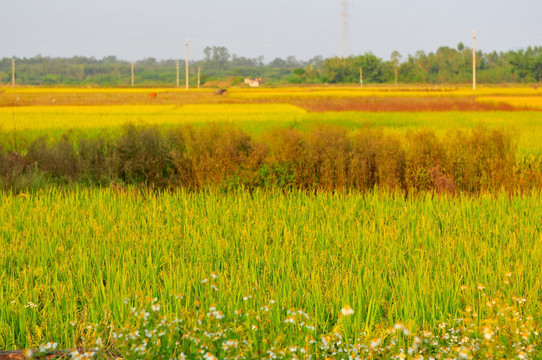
(186, 63)
(177, 74)
(13, 72)
(361, 76)
(198, 77)
(132, 74)
(474, 60)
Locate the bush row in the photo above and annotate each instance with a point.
(324, 158)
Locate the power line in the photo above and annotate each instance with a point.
(346, 27)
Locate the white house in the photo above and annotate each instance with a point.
(253, 82)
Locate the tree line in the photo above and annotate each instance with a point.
(445, 65)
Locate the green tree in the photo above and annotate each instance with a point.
(395, 58)
(216, 57)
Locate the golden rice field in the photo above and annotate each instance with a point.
(33, 121)
(128, 272)
(50, 96)
(99, 117)
(532, 102)
(77, 255)
(338, 91)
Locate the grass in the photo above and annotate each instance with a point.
(78, 253)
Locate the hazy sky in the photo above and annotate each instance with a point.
(137, 29)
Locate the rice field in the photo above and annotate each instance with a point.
(100, 117)
(265, 92)
(77, 254)
(33, 121)
(215, 274)
(531, 102)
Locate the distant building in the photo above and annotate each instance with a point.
(253, 82)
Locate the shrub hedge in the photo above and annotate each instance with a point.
(326, 158)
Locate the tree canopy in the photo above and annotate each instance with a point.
(444, 66)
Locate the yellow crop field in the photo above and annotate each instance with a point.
(257, 118)
(342, 92)
(92, 90)
(303, 270)
(530, 102)
(316, 91)
(284, 223)
(98, 117)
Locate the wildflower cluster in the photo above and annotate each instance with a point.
(30, 305)
(202, 330)
(207, 330)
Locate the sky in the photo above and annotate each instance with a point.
(135, 29)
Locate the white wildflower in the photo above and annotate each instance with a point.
(347, 311)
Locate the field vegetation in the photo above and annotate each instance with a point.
(324, 158)
(74, 257)
(327, 222)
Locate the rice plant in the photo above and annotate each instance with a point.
(75, 255)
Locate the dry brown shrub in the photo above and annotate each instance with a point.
(328, 152)
(216, 152)
(285, 144)
(141, 155)
(95, 159)
(441, 182)
(481, 160)
(366, 145)
(424, 151)
(184, 174)
(325, 158)
(285, 163)
(12, 165)
(377, 160)
(4, 163)
(528, 173)
(390, 163)
(59, 160)
(330, 158)
(249, 172)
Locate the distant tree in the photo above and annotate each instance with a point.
(242, 61)
(278, 63)
(109, 59)
(446, 65)
(450, 65)
(395, 58)
(216, 57)
(150, 61)
(292, 62)
(423, 63)
(338, 70)
(373, 68)
(346, 70)
(207, 54)
(316, 61)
